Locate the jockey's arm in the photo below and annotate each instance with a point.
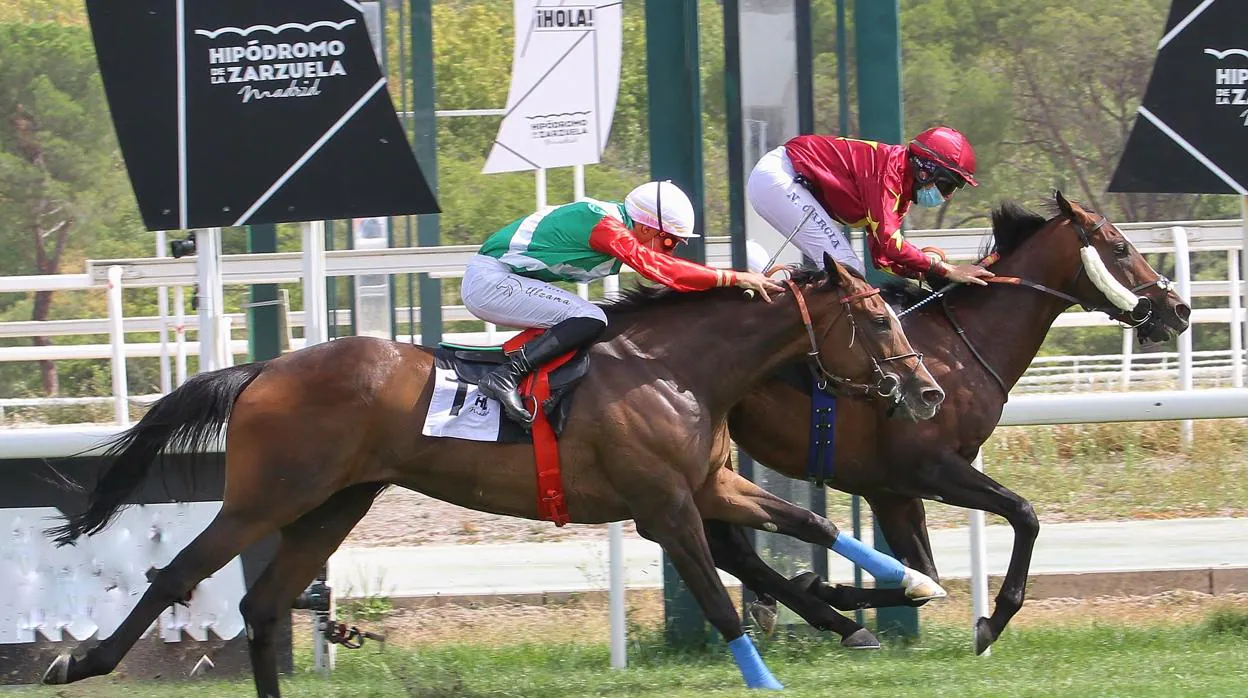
(892, 252)
(889, 248)
(610, 236)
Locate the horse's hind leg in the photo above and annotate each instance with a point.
(734, 499)
(904, 524)
(735, 555)
(226, 536)
(305, 546)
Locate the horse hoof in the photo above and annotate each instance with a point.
(984, 636)
(920, 587)
(764, 617)
(860, 639)
(58, 673)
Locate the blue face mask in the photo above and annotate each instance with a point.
(929, 197)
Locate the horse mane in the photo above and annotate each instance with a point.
(1012, 225)
(643, 296)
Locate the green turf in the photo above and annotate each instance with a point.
(1205, 659)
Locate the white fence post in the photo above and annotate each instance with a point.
(616, 600)
(1243, 265)
(179, 334)
(162, 307)
(979, 561)
(117, 338)
(208, 264)
(1128, 338)
(314, 301)
(1237, 339)
(578, 182)
(1183, 274)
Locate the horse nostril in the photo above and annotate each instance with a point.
(1183, 311)
(933, 396)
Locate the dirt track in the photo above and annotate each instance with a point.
(404, 518)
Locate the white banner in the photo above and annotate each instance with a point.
(565, 77)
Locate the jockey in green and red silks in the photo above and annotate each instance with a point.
(510, 280)
(868, 185)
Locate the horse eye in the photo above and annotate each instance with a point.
(880, 321)
(1120, 248)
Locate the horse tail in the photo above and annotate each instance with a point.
(188, 419)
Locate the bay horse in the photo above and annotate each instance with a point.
(977, 341)
(313, 436)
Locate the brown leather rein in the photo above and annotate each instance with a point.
(1125, 317)
(886, 385)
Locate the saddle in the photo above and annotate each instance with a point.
(470, 363)
(550, 388)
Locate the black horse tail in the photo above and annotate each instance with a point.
(188, 419)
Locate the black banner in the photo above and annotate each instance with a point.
(1191, 133)
(233, 112)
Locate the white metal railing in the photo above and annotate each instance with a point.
(449, 261)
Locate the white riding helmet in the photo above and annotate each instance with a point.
(647, 203)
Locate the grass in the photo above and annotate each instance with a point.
(1090, 472)
(1204, 658)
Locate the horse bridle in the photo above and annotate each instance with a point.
(1127, 318)
(886, 385)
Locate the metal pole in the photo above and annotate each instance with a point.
(425, 143)
(162, 308)
(1183, 278)
(1243, 264)
(979, 559)
(117, 340)
(675, 127)
(616, 600)
(179, 334)
(314, 301)
(1237, 340)
(1128, 336)
(578, 182)
(540, 182)
(206, 263)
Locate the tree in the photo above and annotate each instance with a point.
(60, 170)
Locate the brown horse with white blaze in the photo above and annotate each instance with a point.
(313, 436)
(977, 342)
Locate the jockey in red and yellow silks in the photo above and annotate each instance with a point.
(867, 185)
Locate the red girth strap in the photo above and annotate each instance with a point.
(551, 505)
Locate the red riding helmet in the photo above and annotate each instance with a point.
(947, 148)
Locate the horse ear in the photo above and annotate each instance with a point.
(834, 271)
(1063, 205)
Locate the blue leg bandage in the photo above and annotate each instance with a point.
(883, 567)
(756, 674)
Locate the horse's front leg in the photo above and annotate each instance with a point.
(953, 480)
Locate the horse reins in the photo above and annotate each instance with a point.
(886, 385)
(1085, 237)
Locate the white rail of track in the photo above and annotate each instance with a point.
(1181, 238)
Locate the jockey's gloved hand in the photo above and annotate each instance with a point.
(758, 283)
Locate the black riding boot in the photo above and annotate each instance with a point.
(503, 383)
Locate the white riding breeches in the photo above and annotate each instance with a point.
(775, 194)
(493, 293)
